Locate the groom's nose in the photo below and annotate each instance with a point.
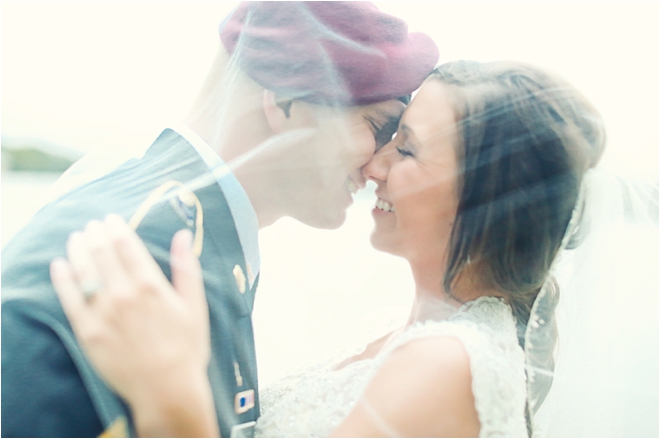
(377, 168)
(358, 179)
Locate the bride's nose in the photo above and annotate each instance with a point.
(378, 167)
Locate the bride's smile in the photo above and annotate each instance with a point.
(417, 178)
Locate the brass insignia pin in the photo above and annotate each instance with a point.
(250, 274)
(119, 428)
(237, 372)
(240, 278)
(184, 205)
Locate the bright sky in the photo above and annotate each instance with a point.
(86, 74)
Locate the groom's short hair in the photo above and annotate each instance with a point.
(345, 53)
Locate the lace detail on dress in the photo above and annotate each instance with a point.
(313, 402)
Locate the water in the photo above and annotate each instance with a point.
(23, 194)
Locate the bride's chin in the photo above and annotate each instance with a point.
(378, 242)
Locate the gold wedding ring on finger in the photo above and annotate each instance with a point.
(90, 288)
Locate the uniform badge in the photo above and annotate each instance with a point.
(184, 205)
(240, 278)
(244, 401)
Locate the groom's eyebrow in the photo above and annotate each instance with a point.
(389, 116)
(390, 121)
(387, 129)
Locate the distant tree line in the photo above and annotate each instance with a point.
(35, 155)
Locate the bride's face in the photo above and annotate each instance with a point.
(417, 178)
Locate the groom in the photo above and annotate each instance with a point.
(298, 99)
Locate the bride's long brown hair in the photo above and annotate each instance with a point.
(528, 137)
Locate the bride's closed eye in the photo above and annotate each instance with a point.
(405, 151)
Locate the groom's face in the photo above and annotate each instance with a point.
(325, 171)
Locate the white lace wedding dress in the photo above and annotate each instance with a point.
(314, 402)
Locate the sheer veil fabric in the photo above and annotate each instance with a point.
(605, 379)
(328, 58)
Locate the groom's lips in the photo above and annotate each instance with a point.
(351, 186)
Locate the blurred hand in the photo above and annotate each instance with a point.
(147, 338)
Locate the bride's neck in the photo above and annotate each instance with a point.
(432, 301)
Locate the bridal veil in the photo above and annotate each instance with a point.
(605, 377)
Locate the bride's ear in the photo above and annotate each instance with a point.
(277, 112)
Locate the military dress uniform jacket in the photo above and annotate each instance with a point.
(48, 386)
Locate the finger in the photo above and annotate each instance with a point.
(81, 263)
(67, 289)
(186, 269)
(104, 255)
(132, 252)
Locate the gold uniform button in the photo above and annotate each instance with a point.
(250, 274)
(237, 373)
(240, 278)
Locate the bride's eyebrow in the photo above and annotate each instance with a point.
(409, 133)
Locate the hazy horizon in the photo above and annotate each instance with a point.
(90, 75)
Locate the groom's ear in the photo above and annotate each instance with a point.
(277, 111)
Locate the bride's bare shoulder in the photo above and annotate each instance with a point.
(423, 389)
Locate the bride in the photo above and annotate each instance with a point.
(480, 191)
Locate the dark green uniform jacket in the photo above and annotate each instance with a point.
(48, 386)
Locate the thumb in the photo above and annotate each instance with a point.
(65, 284)
(186, 269)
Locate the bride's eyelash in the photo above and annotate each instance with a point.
(404, 151)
